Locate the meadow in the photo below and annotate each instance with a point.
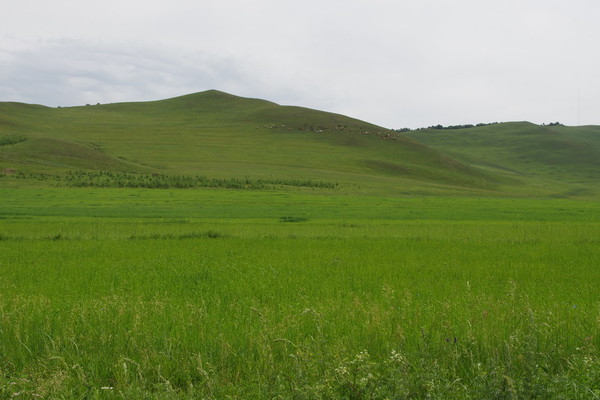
(211, 246)
(304, 293)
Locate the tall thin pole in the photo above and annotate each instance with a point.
(578, 105)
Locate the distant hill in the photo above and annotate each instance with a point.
(222, 136)
(542, 157)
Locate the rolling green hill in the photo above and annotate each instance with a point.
(221, 136)
(218, 135)
(544, 158)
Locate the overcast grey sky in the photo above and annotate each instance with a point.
(396, 63)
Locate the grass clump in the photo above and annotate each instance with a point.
(183, 236)
(290, 218)
(12, 139)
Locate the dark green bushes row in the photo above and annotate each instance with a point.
(465, 126)
(442, 127)
(11, 139)
(162, 181)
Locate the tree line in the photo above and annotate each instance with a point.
(464, 126)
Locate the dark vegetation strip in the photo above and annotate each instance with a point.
(191, 235)
(11, 139)
(112, 179)
(293, 219)
(210, 234)
(464, 126)
(442, 127)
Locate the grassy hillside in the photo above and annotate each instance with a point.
(218, 135)
(543, 157)
(221, 136)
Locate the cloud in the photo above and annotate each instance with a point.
(68, 72)
(410, 63)
(71, 72)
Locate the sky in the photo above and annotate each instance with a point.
(395, 63)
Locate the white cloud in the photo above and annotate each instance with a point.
(71, 73)
(410, 63)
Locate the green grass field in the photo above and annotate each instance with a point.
(216, 247)
(158, 294)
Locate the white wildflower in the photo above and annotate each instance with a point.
(365, 380)
(362, 356)
(396, 357)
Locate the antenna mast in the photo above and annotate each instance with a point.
(578, 105)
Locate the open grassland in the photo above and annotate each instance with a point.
(308, 294)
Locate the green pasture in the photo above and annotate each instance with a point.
(216, 247)
(296, 294)
(311, 204)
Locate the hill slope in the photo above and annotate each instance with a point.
(220, 135)
(551, 157)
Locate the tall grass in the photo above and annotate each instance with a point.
(11, 139)
(462, 310)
